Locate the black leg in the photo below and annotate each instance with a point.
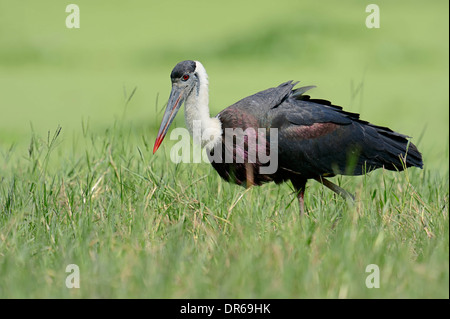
(338, 190)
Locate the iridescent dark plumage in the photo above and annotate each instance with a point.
(316, 139)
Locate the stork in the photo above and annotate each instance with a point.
(315, 139)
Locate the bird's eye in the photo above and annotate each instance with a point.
(185, 77)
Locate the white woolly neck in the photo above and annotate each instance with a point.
(197, 109)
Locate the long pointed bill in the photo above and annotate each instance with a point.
(176, 99)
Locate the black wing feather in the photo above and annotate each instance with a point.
(318, 138)
(353, 142)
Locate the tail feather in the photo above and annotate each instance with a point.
(399, 152)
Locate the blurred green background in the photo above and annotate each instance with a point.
(395, 76)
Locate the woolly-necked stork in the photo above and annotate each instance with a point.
(315, 139)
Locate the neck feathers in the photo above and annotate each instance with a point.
(197, 109)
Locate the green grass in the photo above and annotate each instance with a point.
(137, 225)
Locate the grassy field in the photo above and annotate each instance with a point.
(138, 225)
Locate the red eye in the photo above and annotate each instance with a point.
(185, 77)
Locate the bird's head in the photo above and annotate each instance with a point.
(184, 79)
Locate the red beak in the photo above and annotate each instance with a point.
(158, 142)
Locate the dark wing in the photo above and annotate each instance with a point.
(317, 138)
(252, 111)
(261, 102)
